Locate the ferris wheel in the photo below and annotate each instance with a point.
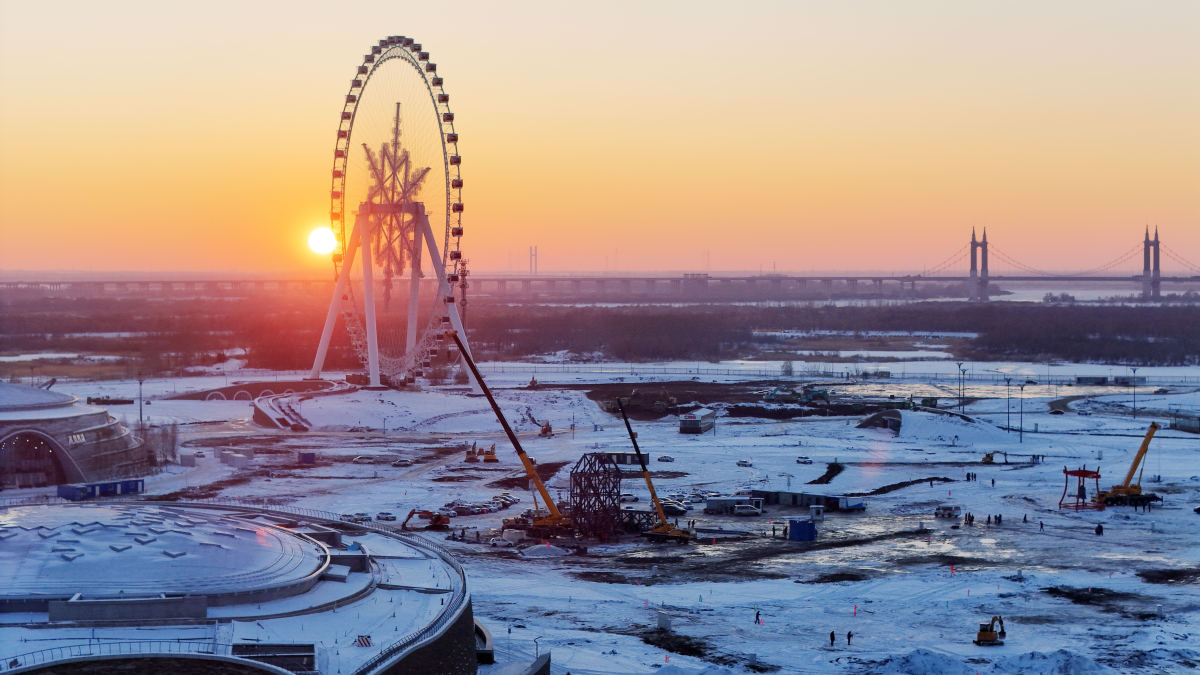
(396, 209)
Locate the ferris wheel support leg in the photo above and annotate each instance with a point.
(414, 296)
(334, 302)
(364, 230)
(444, 288)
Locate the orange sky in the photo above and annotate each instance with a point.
(676, 136)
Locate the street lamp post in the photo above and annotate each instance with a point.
(1133, 382)
(1008, 404)
(962, 390)
(1021, 434)
(140, 380)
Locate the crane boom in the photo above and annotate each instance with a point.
(1141, 454)
(662, 517)
(512, 437)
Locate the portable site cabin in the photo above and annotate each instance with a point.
(828, 502)
(697, 421)
(724, 505)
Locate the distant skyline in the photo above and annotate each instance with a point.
(684, 136)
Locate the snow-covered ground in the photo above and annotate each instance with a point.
(913, 599)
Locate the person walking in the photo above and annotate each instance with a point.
(1041, 526)
(1025, 518)
(757, 617)
(849, 634)
(993, 482)
(831, 638)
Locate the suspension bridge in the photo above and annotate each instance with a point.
(969, 266)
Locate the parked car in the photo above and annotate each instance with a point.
(348, 517)
(803, 460)
(745, 462)
(448, 512)
(385, 515)
(199, 454)
(628, 497)
(363, 459)
(402, 462)
(746, 510)
(673, 508)
(498, 541)
(1058, 411)
(666, 458)
(463, 510)
(362, 517)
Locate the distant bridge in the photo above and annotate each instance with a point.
(978, 281)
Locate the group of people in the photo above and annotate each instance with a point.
(833, 637)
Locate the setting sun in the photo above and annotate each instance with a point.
(322, 241)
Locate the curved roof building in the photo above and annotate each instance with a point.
(49, 438)
(205, 588)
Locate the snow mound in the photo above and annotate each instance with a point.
(1060, 662)
(926, 662)
(542, 551)
(944, 428)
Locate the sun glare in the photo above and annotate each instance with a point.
(322, 241)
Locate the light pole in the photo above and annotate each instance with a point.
(958, 366)
(140, 380)
(962, 391)
(1008, 404)
(1133, 381)
(1021, 434)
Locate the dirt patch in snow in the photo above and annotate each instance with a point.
(836, 577)
(830, 473)
(1116, 602)
(903, 484)
(545, 472)
(1184, 576)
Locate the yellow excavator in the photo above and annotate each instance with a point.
(1128, 493)
(554, 523)
(988, 635)
(663, 530)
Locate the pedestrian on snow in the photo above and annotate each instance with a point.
(1099, 529)
(757, 617)
(849, 634)
(831, 637)
(1025, 518)
(989, 519)
(1041, 526)
(993, 482)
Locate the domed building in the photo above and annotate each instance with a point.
(50, 438)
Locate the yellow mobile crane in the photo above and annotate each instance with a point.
(1126, 494)
(553, 524)
(663, 531)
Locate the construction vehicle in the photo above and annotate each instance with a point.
(436, 520)
(554, 522)
(988, 635)
(546, 431)
(663, 530)
(1128, 493)
(471, 456)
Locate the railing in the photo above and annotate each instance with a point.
(774, 371)
(118, 648)
(450, 612)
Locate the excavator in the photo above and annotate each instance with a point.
(554, 523)
(436, 520)
(1127, 494)
(663, 530)
(988, 635)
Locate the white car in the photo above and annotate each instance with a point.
(803, 460)
(363, 459)
(628, 497)
(745, 462)
(666, 458)
(746, 510)
(385, 515)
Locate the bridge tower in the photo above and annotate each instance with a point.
(979, 268)
(1151, 269)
